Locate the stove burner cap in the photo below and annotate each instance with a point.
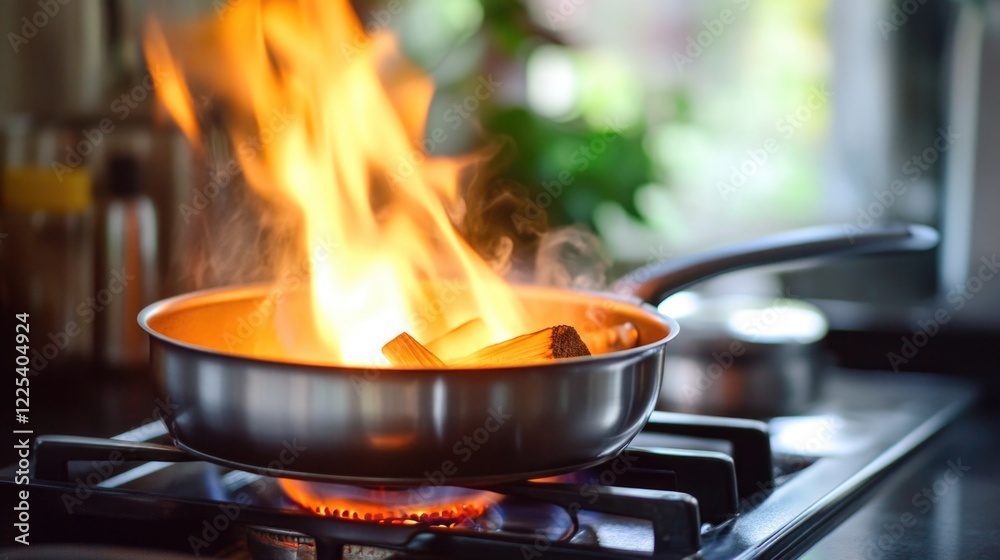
(433, 505)
(268, 543)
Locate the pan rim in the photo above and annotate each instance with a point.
(229, 293)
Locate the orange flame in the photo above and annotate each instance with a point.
(336, 125)
(426, 504)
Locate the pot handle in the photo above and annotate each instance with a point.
(53, 454)
(654, 282)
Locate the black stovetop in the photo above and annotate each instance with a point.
(729, 488)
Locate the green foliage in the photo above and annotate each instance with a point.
(589, 165)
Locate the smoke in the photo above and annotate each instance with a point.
(236, 236)
(564, 257)
(570, 257)
(523, 250)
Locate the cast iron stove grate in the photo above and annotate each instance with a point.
(787, 492)
(676, 493)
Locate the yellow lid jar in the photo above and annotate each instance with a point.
(46, 245)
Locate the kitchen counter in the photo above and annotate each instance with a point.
(942, 503)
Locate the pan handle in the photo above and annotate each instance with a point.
(53, 454)
(654, 282)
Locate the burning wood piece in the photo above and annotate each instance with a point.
(561, 341)
(613, 339)
(457, 342)
(404, 350)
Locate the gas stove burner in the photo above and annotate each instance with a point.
(268, 543)
(432, 505)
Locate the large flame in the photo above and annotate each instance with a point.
(328, 124)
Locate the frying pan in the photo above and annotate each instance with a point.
(410, 427)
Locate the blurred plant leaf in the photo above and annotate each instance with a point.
(579, 165)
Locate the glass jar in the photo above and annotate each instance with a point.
(48, 262)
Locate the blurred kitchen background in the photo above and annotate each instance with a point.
(663, 126)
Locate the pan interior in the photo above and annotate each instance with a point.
(242, 321)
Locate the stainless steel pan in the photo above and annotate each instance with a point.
(463, 426)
